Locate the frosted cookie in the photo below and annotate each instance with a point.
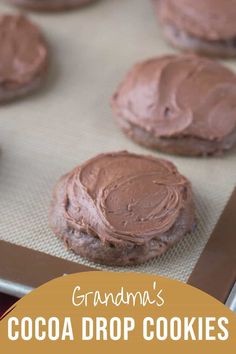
(178, 104)
(204, 26)
(122, 209)
(23, 57)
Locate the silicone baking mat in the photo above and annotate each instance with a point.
(45, 135)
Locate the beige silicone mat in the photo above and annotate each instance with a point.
(69, 120)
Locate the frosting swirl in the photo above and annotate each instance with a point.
(124, 198)
(176, 96)
(207, 19)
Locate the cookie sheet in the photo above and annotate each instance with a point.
(45, 135)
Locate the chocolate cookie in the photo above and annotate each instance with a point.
(23, 57)
(122, 209)
(49, 5)
(204, 26)
(179, 104)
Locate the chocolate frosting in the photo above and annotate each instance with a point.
(176, 96)
(23, 52)
(207, 19)
(124, 198)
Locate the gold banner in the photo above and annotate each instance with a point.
(116, 313)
